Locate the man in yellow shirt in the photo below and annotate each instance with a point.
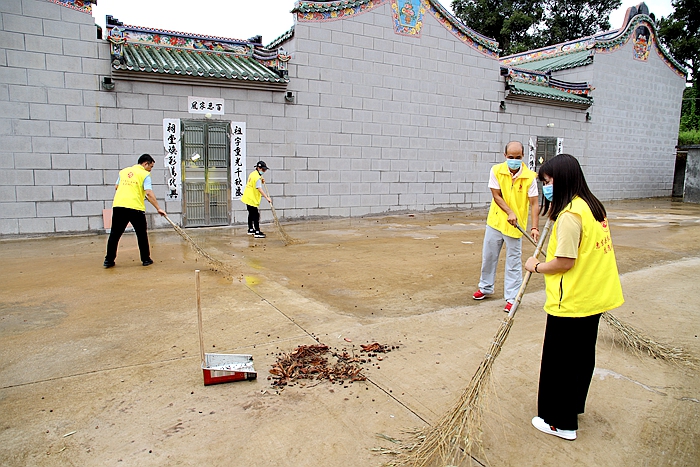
(133, 185)
(514, 190)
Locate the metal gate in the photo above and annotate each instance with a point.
(546, 149)
(206, 173)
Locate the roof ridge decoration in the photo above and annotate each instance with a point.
(163, 37)
(335, 10)
(557, 50)
(481, 43)
(84, 6)
(281, 39)
(137, 49)
(538, 86)
(632, 30)
(516, 75)
(308, 11)
(606, 42)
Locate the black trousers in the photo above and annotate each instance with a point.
(253, 218)
(120, 218)
(568, 361)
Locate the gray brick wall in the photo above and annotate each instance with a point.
(381, 123)
(51, 69)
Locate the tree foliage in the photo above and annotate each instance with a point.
(520, 25)
(572, 19)
(507, 21)
(680, 33)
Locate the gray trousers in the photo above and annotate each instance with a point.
(493, 241)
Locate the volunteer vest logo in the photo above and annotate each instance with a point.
(130, 174)
(408, 17)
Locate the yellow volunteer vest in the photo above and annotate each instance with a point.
(251, 195)
(514, 193)
(130, 193)
(592, 286)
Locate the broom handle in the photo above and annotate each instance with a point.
(266, 192)
(538, 249)
(199, 315)
(168, 219)
(522, 231)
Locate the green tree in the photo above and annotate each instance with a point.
(680, 33)
(571, 19)
(507, 21)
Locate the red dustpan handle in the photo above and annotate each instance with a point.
(199, 315)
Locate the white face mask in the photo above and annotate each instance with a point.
(514, 164)
(548, 191)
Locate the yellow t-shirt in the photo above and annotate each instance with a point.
(568, 235)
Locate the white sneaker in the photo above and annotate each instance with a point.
(541, 425)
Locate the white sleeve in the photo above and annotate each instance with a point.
(532, 192)
(493, 182)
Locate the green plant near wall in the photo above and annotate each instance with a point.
(690, 137)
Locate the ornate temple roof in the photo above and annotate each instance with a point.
(307, 11)
(540, 87)
(582, 51)
(168, 56)
(528, 74)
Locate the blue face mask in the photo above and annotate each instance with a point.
(548, 192)
(514, 164)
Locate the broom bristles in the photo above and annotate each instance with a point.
(640, 344)
(214, 263)
(288, 240)
(452, 439)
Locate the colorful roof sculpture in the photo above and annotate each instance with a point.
(145, 53)
(528, 74)
(307, 11)
(638, 27)
(540, 87)
(84, 6)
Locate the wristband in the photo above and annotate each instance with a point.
(536, 268)
(535, 228)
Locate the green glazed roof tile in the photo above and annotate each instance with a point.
(562, 62)
(178, 61)
(548, 93)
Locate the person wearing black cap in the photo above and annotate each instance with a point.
(252, 195)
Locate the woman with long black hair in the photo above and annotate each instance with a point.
(582, 282)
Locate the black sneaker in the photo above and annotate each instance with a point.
(259, 234)
(148, 262)
(108, 264)
(251, 231)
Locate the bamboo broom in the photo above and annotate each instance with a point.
(288, 240)
(450, 440)
(214, 263)
(637, 341)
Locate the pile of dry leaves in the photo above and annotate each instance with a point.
(312, 362)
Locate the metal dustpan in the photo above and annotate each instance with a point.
(219, 367)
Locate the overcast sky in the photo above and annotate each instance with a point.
(242, 19)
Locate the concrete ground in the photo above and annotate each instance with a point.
(101, 367)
